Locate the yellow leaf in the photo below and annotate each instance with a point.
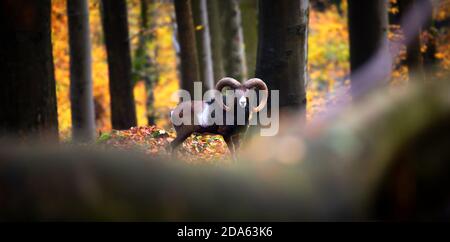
(439, 56)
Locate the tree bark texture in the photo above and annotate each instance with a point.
(368, 28)
(414, 59)
(115, 27)
(81, 97)
(283, 49)
(145, 66)
(233, 40)
(187, 41)
(27, 90)
(216, 39)
(203, 38)
(249, 10)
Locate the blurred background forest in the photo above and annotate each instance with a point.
(328, 56)
(369, 77)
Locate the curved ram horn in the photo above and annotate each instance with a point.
(259, 84)
(226, 82)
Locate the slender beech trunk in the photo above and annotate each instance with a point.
(153, 77)
(249, 10)
(283, 49)
(324, 5)
(394, 17)
(429, 57)
(188, 50)
(414, 59)
(216, 39)
(81, 98)
(202, 30)
(115, 27)
(233, 45)
(150, 75)
(144, 66)
(368, 27)
(431, 63)
(27, 88)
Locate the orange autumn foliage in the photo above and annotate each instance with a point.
(62, 69)
(328, 59)
(166, 59)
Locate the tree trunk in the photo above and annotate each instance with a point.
(115, 27)
(81, 98)
(324, 5)
(394, 17)
(188, 49)
(283, 49)
(27, 90)
(431, 63)
(144, 66)
(203, 39)
(216, 39)
(368, 27)
(249, 22)
(414, 59)
(429, 57)
(153, 77)
(233, 45)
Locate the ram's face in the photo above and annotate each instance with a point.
(241, 98)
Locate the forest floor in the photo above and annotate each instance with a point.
(198, 148)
